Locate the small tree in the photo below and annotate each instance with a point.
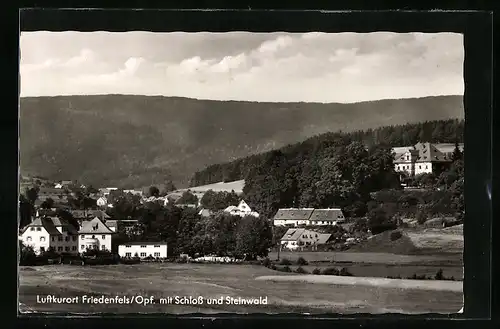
(301, 261)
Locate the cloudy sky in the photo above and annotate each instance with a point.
(274, 67)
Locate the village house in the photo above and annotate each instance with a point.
(95, 234)
(308, 217)
(86, 215)
(143, 249)
(50, 232)
(126, 224)
(294, 239)
(55, 194)
(102, 201)
(423, 158)
(242, 210)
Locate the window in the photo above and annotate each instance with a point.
(38, 229)
(143, 254)
(82, 236)
(157, 246)
(28, 238)
(66, 248)
(60, 238)
(64, 229)
(67, 238)
(59, 248)
(426, 167)
(103, 237)
(32, 228)
(42, 249)
(73, 248)
(143, 246)
(74, 237)
(103, 247)
(42, 239)
(93, 236)
(419, 167)
(157, 254)
(128, 246)
(128, 254)
(82, 246)
(53, 239)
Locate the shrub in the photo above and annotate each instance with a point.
(266, 262)
(421, 217)
(285, 261)
(345, 272)
(316, 271)
(330, 271)
(286, 269)
(273, 267)
(439, 275)
(301, 261)
(301, 270)
(379, 221)
(395, 235)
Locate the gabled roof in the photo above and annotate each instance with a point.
(294, 214)
(230, 208)
(327, 215)
(95, 226)
(323, 238)
(205, 212)
(50, 225)
(89, 213)
(293, 234)
(429, 153)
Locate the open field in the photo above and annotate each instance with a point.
(215, 280)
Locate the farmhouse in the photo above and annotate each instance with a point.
(308, 216)
(296, 238)
(423, 158)
(95, 234)
(143, 249)
(50, 232)
(126, 224)
(102, 202)
(242, 210)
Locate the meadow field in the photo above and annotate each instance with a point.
(213, 281)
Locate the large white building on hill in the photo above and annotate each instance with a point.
(308, 217)
(423, 158)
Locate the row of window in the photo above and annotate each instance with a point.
(103, 237)
(59, 238)
(142, 254)
(83, 247)
(38, 229)
(73, 248)
(408, 167)
(156, 246)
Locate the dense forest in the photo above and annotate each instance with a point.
(442, 131)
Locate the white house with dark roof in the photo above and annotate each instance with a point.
(94, 234)
(143, 249)
(308, 217)
(423, 158)
(296, 238)
(50, 232)
(242, 210)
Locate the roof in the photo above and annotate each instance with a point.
(95, 226)
(327, 214)
(323, 238)
(231, 208)
(145, 243)
(449, 147)
(292, 234)
(112, 223)
(294, 214)
(424, 152)
(51, 190)
(205, 212)
(50, 224)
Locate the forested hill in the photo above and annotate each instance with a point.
(439, 131)
(129, 141)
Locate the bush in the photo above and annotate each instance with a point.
(439, 275)
(266, 262)
(421, 217)
(285, 269)
(345, 272)
(285, 261)
(273, 267)
(316, 271)
(330, 271)
(301, 270)
(379, 221)
(396, 235)
(301, 261)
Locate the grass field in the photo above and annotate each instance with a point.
(212, 281)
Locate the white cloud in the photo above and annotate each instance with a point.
(314, 66)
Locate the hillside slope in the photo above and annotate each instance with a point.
(134, 140)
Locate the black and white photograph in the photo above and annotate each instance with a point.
(241, 172)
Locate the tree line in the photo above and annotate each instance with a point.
(442, 131)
